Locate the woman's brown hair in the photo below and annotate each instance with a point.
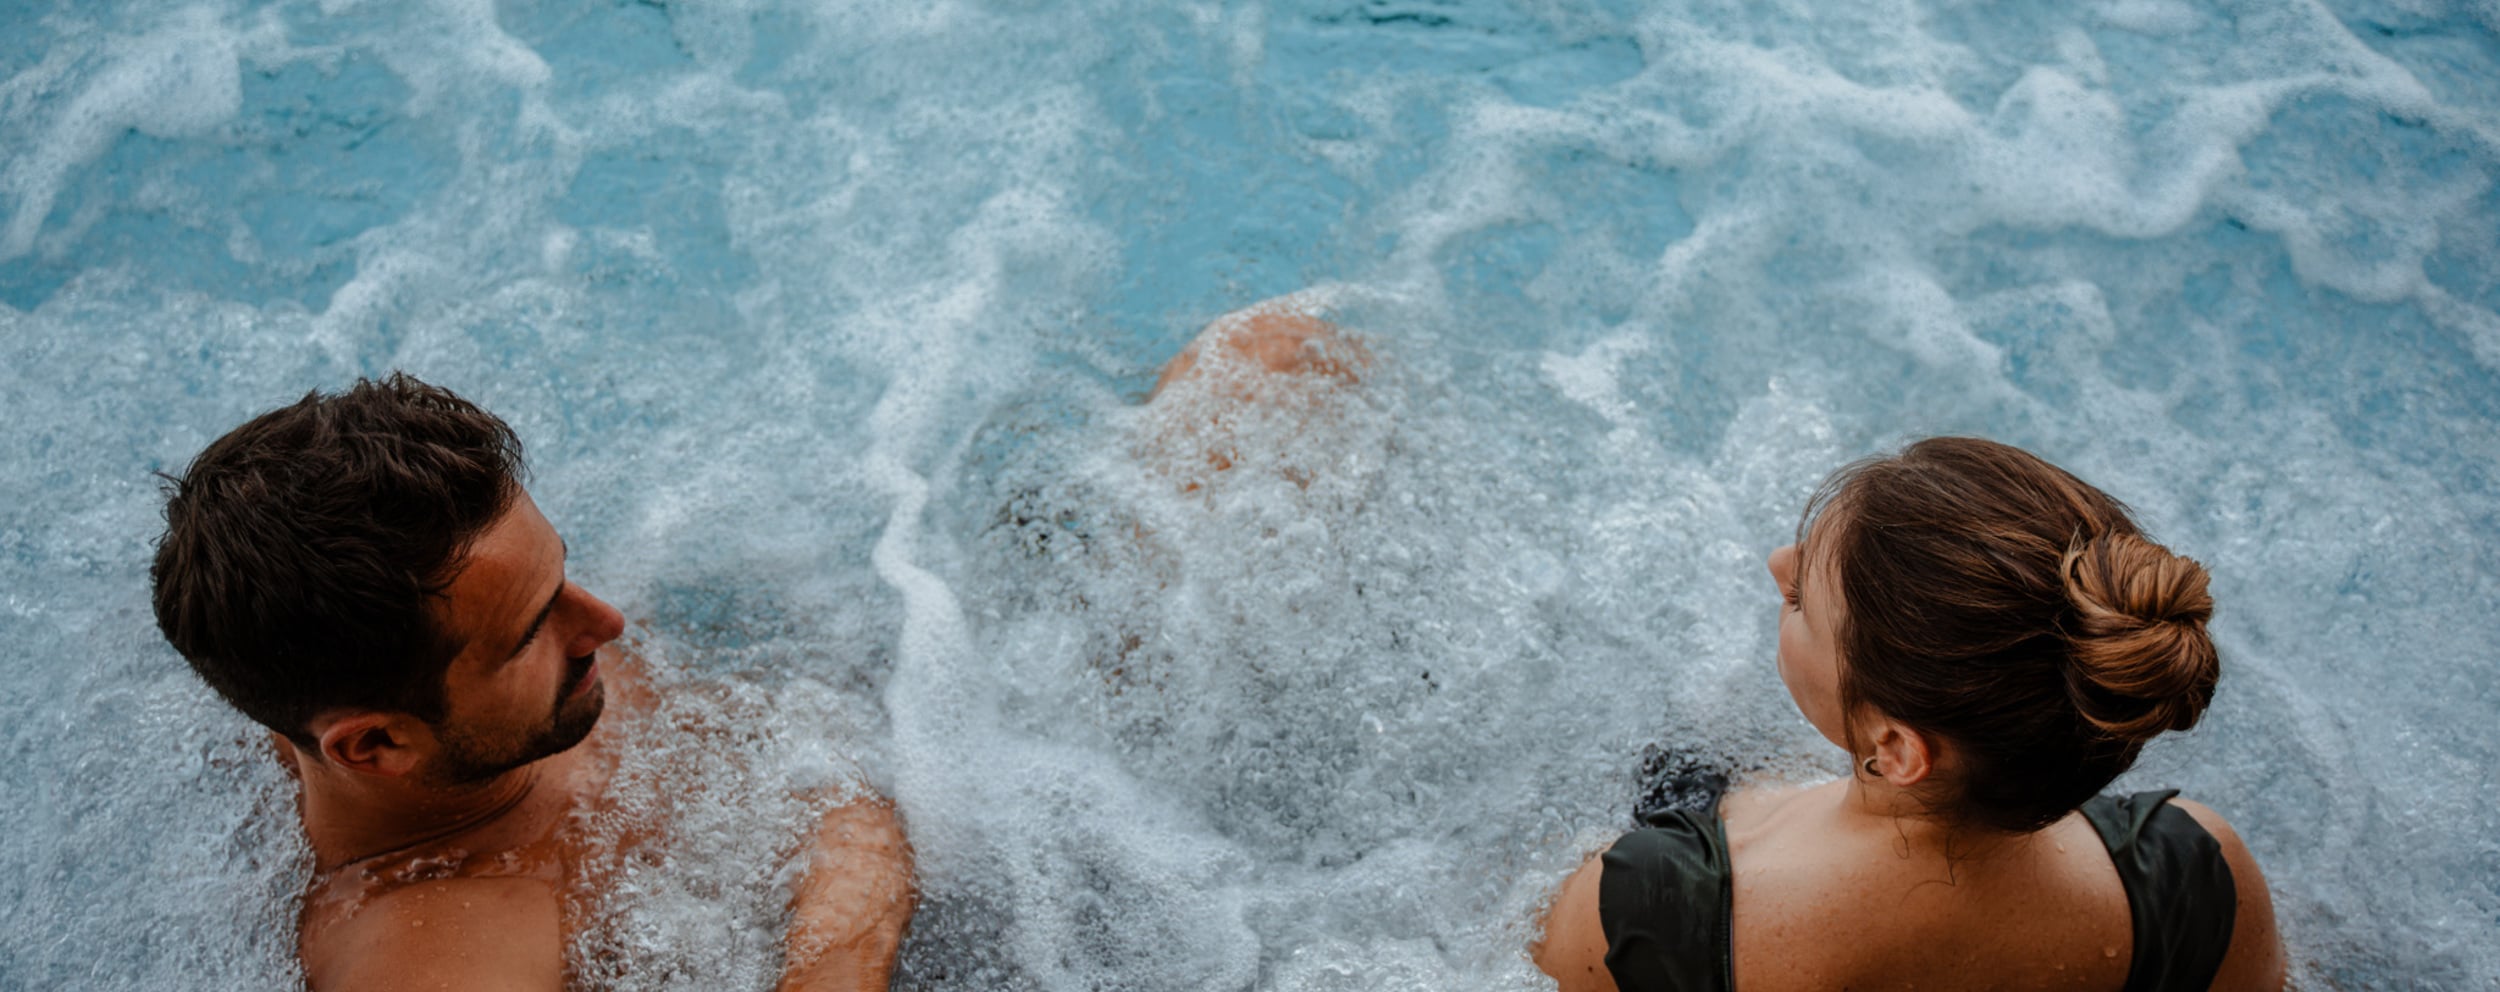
(1998, 602)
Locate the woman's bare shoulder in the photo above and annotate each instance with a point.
(1756, 799)
(1572, 949)
(2255, 962)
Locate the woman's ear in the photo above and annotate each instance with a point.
(1903, 755)
(371, 742)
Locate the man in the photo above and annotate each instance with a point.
(363, 574)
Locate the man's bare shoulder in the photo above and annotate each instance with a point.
(487, 934)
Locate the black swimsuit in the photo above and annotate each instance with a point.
(1665, 900)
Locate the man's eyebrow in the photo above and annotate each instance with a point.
(541, 619)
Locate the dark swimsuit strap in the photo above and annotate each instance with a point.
(2180, 897)
(1665, 899)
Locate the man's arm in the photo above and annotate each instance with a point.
(483, 934)
(848, 914)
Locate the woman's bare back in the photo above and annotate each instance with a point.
(1830, 896)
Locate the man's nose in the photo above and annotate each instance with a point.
(598, 623)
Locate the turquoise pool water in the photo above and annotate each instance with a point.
(826, 323)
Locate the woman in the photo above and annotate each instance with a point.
(1992, 641)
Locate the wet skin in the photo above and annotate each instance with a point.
(1277, 354)
(1849, 884)
(456, 846)
(444, 853)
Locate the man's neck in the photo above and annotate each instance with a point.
(351, 817)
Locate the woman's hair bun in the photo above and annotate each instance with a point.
(2141, 660)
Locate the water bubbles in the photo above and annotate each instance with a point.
(828, 328)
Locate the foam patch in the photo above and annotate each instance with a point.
(830, 330)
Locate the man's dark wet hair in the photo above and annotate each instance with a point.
(303, 551)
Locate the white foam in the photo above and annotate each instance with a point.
(861, 443)
(2152, 17)
(2479, 327)
(180, 80)
(1908, 310)
(483, 48)
(1588, 378)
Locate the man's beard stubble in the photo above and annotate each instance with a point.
(469, 758)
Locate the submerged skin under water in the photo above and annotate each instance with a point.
(826, 323)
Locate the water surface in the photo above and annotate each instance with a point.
(825, 325)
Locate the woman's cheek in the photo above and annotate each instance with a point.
(1786, 658)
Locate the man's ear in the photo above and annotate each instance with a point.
(1903, 755)
(372, 742)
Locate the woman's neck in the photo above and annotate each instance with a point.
(1879, 809)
